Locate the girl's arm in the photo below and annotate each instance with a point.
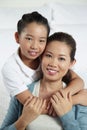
(75, 85)
(22, 97)
(80, 98)
(76, 88)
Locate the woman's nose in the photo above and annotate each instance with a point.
(54, 63)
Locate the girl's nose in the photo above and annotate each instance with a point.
(34, 45)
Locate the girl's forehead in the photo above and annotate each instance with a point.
(39, 32)
(35, 28)
(34, 24)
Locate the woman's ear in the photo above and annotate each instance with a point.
(72, 63)
(17, 37)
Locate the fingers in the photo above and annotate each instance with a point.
(60, 96)
(44, 104)
(28, 101)
(54, 113)
(50, 111)
(70, 97)
(48, 105)
(63, 93)
(35, 103)
(40, 103)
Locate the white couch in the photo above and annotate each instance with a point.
(68, 18)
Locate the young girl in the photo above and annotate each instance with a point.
(22, 68)
(57, 60)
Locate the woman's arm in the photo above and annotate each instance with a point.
(76, 119)
(33, 107)
(62, 104)
(12, 115)
(75, 85)
(69, 122)
(31, 110)
(71, 118)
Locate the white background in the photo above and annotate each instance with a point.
(11, 11)
(35, 3)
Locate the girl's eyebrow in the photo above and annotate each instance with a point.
(29, 35)
(33, 36)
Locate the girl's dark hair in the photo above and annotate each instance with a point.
(32, 17)
(69, 41)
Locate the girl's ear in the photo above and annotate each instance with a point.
(17, 37)
(72, 63)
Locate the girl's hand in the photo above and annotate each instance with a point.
(61, 102)
(32, 109)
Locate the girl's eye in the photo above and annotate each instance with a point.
(29, 38)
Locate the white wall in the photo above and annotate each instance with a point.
(34, 3)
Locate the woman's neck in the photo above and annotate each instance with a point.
(47, 87)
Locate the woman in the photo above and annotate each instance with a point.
(57, 60)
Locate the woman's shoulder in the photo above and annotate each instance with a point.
(32, 85)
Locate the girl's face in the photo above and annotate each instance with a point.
(32, 41)
(56, 61)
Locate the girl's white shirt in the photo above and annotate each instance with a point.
(44, 122)
(16, 75)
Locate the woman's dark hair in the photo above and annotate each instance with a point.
(32, 17)
(69, 41)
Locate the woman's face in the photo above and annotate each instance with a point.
(32, 41)
(56, 60)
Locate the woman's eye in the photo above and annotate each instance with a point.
(62, 59)
(48, 55)
(42, 40)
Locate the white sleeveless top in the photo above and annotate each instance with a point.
(43, 122)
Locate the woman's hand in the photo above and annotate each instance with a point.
(32, 109)
(61, 102)
(50, 109)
